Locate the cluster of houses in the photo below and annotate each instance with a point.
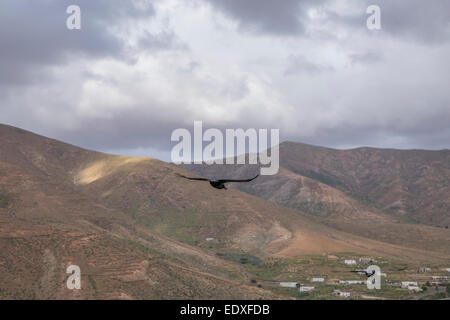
(437, 280)
(303, 288)
(426, 269)
(409, 285)
(337, 293)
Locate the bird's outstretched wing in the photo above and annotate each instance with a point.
(190, 178)
(368, 274)
(398, 269)
(238, 180)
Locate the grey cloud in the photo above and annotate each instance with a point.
(190, 67)
(413, 19)
(128, 131)
(33, 34)
(236, 91)
(365, 58)
(428, 21)
(275, 17)
(160, 41)
(300, 64)
(132, 128)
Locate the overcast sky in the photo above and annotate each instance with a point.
(137, 70)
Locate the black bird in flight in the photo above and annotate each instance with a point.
(368, 274)
(218, 184)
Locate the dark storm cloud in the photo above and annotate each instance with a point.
(428, 21)
(34, 38)
(33, 34)
(416, 19)
(275, 17)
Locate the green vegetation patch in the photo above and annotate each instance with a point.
(318, 209)
(242, 258)
(190, 226)
(5, 200)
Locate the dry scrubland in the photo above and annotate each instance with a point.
(137, 231)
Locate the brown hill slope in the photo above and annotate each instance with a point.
(191, 212)
(139, 231)
(411, 183)
(47, 223)
(330, 200)
(408, 184)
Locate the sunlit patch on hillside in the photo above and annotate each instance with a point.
(104, 167)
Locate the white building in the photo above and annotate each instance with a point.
(289, 284)
(349, 262)
(424, 269)
(352, 282)
(367, 260)
(406, 284)
(414, 288)
(339, 293)
(306, 289)
(318, 279)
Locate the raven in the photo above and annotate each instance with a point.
(368, 274)
(218, 184)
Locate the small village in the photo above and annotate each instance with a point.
(345, 278)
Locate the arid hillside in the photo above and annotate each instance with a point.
(396, 196)
(408, 183)
(138, 231)
(47, 223)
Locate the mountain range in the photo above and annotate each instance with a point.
(139, 231)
